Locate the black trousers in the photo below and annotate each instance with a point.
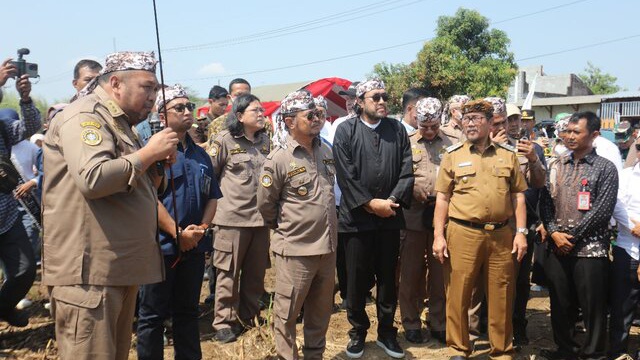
(625, 293)
(523, 287)
(174, 298)
(19, 266)
(578, 282)
(367, 252)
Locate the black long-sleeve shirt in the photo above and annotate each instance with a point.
(559, 207)
(372, 163)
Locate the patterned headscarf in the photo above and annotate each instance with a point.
(455, 99)
(368, 85)
(428, 109)
(562, 121)
(499, 105)
(299, 100)
(320, 101)
(170, 93)
(120, 61)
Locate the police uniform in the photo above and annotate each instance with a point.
(93, 266)
(296, 198)
(199, 129)
(241, 253)
(427, 155)
(478, 238)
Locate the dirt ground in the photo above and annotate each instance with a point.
(37, 340)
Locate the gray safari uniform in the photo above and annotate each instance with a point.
(296, 199)
(419, 240)
(241, 248)
(93, 266)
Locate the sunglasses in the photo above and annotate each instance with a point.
(637, 147)
(180, 107)
(311, 114)
(377, 97)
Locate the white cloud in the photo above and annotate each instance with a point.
(212, 69)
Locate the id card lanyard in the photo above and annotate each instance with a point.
(584, 196)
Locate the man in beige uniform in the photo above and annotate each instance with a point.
(428, 145)
(480, 187)
(453, 128)
(98, 171)
(296, 199)
(241, 249)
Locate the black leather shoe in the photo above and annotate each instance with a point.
(557, 355)
(355, 348)
(225, 335)
(458, 357)
(440, 336)
(17, 318)
(414, 336)
(390, 346)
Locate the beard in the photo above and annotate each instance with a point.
(372, 114)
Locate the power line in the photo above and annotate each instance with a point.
(280, 33)
(397, 46)
(580, 47)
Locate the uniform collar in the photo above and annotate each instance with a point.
(471, 146)
(293, 144)
(439, 136)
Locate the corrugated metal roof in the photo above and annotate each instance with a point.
(622, 95)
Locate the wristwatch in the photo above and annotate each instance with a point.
(524, 231)
(392, 198)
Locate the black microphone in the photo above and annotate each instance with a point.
(157, 126)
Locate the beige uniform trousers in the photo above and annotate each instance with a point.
(308, 281)
(241, 256)
(477, 255)
(416, 282)
(93, 322)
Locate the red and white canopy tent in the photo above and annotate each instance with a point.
(327, 87)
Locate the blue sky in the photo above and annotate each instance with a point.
(210, 42)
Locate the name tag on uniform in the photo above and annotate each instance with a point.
(467, 163)
(584, 200)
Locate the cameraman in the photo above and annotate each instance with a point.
(16, 253)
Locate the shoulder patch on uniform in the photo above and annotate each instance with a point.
(454, 147)
(91, 136)
(90, 123)
(507, 146)
(266, 180)
(214, 150)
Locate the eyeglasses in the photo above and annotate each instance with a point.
(311, 114)
(180, 107)
(377, 97)
(474, 119)
(257, 110)
(637, 147)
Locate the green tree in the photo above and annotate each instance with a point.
(465, 57)
(11, 100)
(599, 82)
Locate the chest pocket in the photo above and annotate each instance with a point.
(465, 177)
(300, 186)
(503, 176)
(241, 165)
(417, 159)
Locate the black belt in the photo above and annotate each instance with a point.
(485, 226)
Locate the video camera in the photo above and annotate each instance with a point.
(24, 67)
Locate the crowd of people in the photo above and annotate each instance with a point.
(457, 206)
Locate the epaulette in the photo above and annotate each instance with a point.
(454, 147)
(273, 152)
(507, 146)
(413, 132)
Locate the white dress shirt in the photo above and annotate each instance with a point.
(628, 209)
(609, 151)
